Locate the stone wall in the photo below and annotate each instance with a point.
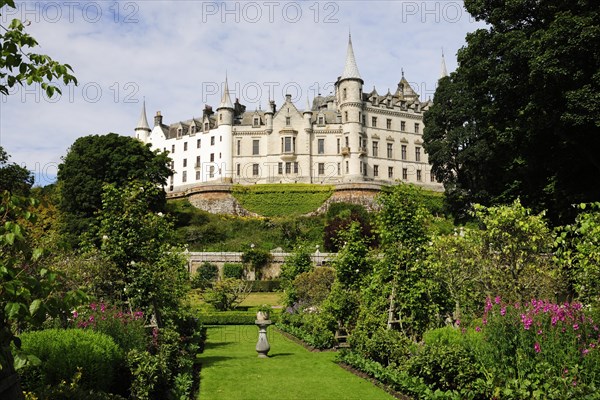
(195, 259)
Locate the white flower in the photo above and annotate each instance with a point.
(105, 237)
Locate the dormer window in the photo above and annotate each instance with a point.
(179, 133)
(256, 122)
(192, 129)
(389, 102)
(321, 120)
(206, 126)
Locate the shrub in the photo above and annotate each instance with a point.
(311, 288)
(63, 352)
(227, 293)
(257, 259)
(266, 286)
(233, 318)
(205, 274)
(125, 328)
(231, 270)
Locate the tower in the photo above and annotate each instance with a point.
(225, 115)
(225, 110)
(349, 98)
(444, 71)
(142, 130)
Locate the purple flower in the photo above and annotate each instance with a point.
(537, 347)
(497, 300)
(477, 329)
(102, 307)
(75, 314)
(575, 327)
(503, 311)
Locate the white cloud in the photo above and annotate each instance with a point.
(172, 52)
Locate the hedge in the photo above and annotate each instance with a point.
(232, 318)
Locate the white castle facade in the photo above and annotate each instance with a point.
(348, 137)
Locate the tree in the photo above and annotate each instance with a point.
(139, 242)
(13, 177)
(95, 160)
(520, 117)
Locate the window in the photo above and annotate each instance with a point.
(197, 161)
(374, 122)
(321, 146)
(321, 168)
(255, 169)
(347, 140)
(338, 146)
(238, 169)
(416, 127)
(239, 147)
(296, 167)
(184, 162)
(193, 129)
(185, 146)
(206, 126)
(288, 144)
(404, 174)
(417, 153)
(432, 176)
(388, 123)
(197, 175)
(403, 151)
(184, 176)
(321, 120)
(288, 121)
(198, 143)
(375, 170)
(212, 140)
(391, 172)
(179, 132)
(220, 138)
(212, 157)
(347, 167)
(339, 168)
(402, 126)
(280, 168)
(359, 116)
(344, 94)
(173, 148)
(256, 122)
(364, 119)
(364, 168)
(418, 175)
(288, 167)
(255, 147)
(345, 116)
(211, 171)
(390, 150)
(375, 149)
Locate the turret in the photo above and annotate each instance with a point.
(307, 115)
(142, 130)
(349, 98)
(444, 71)
(269, 116)
(225, 111)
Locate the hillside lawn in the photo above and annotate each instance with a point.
(231, 370)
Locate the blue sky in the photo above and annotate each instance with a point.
(175, 54)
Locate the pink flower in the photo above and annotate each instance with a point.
(537, 347)
(488, 304)
(458, 322)
(484, 321)
(75, 314)
(477, 329)
(585, 351)
(497, 300)
(102, 307)
(93, 306)
(575, 327)
(503, 311)
(539, 332)
(91, 318)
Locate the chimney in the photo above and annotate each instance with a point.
(158, 119)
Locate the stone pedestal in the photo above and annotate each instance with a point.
(262, 346)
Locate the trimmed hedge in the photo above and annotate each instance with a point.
(233, 270)
(63, 351)
(266, 286)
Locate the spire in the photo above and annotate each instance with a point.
(350, 69)
(143, 122)
(225, 99)
(444, 72)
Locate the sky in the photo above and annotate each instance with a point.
(175, 56)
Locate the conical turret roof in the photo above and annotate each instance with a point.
(225, 99)
(143, 122)
(444, 71)
(350, 68)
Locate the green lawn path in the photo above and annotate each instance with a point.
(231, 370)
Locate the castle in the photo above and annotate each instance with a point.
(348, 137)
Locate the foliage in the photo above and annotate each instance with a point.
(227, 293)
(537, 349)
(19, 66)
(257, 259)
(96, 160)
(276, 200)
(295, 264)
(139, 243)
(125, 328)
(312, 288)
(351, 263)
(13, 177)
(265, 286)
(62, 352)
(508, 123)
(29, 293)
(338, 218)
(146, 370)
(233, 318)
(578, 252)
(205, 275)
(233, 270)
